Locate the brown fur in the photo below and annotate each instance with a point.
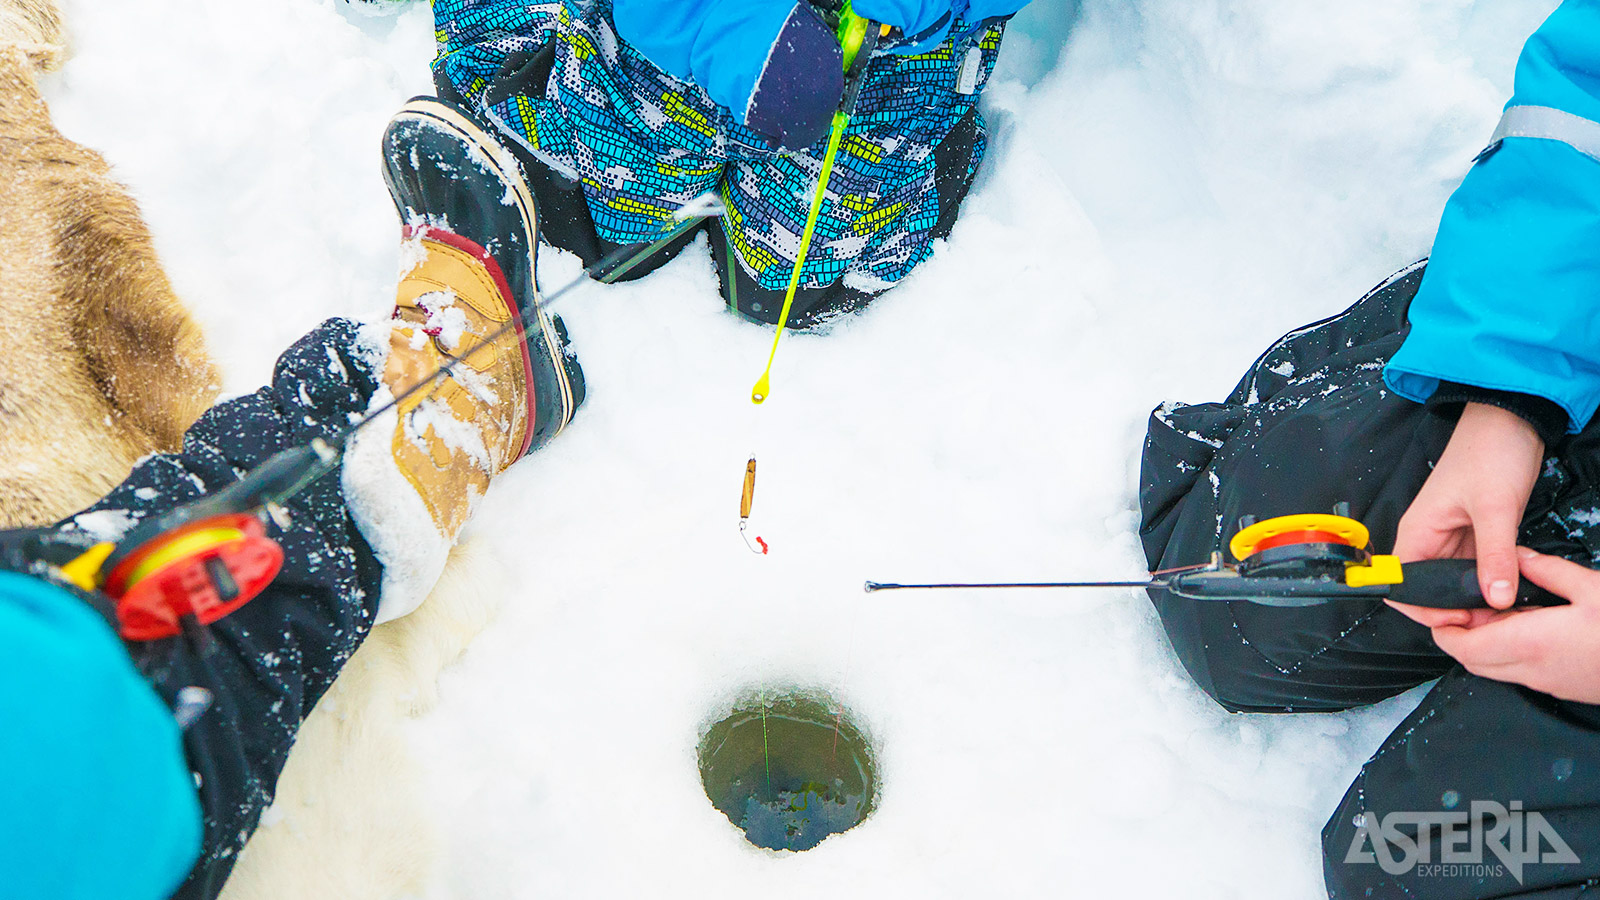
(101, 363)
(34, 26)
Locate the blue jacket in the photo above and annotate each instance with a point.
(96, 800)
(1511, 298)
(723, 45)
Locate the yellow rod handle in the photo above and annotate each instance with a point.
(763, 387)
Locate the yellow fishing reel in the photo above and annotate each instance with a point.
(1298, 560)
(1304, 560)
(1314, 540)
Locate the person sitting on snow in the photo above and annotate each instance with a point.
(105, 796)
(623, 111)
(1453, 408)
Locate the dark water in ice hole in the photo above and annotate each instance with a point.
(789, 770)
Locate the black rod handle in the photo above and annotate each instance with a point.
(1453, 584)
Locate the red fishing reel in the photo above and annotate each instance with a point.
(206, 569)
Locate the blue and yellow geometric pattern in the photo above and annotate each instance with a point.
(643, 142)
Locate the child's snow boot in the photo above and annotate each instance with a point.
(470, 231)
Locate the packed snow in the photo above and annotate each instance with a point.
(1171, 184)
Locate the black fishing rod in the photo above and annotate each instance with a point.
(1301, 560)
(872, 586)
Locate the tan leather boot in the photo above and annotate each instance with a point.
(470, 236)
(450, 439)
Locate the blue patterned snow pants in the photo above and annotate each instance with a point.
(641, 142)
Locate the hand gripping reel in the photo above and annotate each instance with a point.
(1308, 559)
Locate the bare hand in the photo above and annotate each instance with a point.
(1555, 650)
(1472, 504)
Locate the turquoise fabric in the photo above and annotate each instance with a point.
(1511, 298)
(721, 45)
(96, 800)
(926, 23)
(642, 142)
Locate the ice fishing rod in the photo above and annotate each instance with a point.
(858, 37)
(202, 560)
(1301, 560)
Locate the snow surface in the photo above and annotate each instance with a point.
(1183, 182)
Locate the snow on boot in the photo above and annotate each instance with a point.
(469, 229)
(444, 170)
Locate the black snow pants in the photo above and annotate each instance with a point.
(1312, 424)
(267, 664)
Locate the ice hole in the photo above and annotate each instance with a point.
(789, 768)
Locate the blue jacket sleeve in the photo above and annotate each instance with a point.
(721, 45)
(983, 10)
(926, 23)
(97, 800)
(1512, 291)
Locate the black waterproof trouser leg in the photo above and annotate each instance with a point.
(267, 664)
(1312, 424)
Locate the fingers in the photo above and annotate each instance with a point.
(1512, 644)
(1559, 576)
(1440, 618)
(1430, 528)
(1555, 650)
(1494, 532)
(1433, 618)
(1472, 503)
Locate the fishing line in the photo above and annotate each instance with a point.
(766, 750)
(284, 474)
(844, 678)
(858, 37)
(606, 270)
